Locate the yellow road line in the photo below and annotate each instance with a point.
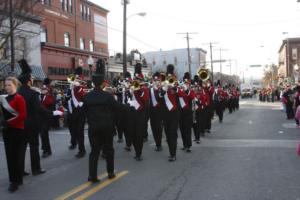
(101, 186)
(78, 189)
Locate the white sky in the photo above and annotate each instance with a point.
(240, 26)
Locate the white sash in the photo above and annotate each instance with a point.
(70, 106)
(182, 103)
(75, 101)
(7, 107)
(135, 103)
(154, 102)
(168, 102)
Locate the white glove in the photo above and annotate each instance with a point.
(165, 88)
(80, 104)
(76, 83)
(185, 88)
(57, 113)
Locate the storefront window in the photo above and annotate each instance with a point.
(82, 43)
(67, 39)
(91, 45)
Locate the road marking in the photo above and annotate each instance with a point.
(101, 186)
(78, 189)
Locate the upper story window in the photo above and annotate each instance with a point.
(81, 40)
(44, 36)
(67, 39)
(85, 12)
(46, 2)
(67, 5)
(91, 45)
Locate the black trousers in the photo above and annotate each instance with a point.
(77, 122)
(207, 117)
(32, 138)
(44, 134)
(289, 111)
(185, 124)
(230, 105)
(100, 139)
(72, 132)
(137, 130)
(14, 140)
(147, 116)
(170, 123)
(121, 123)
(199, 126)
(219, 110)
(129, 123)
(156, 125)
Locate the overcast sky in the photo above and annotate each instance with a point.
(251, 30)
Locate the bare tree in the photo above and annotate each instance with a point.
(13, 13)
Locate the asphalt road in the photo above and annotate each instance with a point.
(250, 156)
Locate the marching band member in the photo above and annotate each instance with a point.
(219, 101)
(170, 112)
(100, 108)
(186, 98)
(76, 117)
(14, 113)
(155, 110)
(48, 102)
(201, 114)
(138, 101)
(34, 111)
(209, 91)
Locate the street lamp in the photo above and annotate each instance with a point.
(90, 62)
(125, 18)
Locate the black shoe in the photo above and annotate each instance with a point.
(207, 131)
(25, 173)
(93, 180)
(36, 173)
(72, 147)
(183, 148)
(195, 140)
(198, 141)
(188, 150)
(127, 148)
(138, 158)
(13, 187)
(111, 175)
(172, 158)
(159, 148)
(80, 154)
(46, 154)
(120, 140)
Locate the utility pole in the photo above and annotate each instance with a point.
(188, 49)
(12, 42)
(221, 61)
(125, 2)
(211, 58)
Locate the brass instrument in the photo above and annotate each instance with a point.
(109, 89)
(135, 85)
(170, 81)
(61, 83)
(203, 74)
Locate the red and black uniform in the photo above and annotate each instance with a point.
(209, 91)
(147, 111)
(48, 102)
(170, 109)
(186, 117)
(219, 97)
(137, 115)
(156, 116)
(76, 118)
(201, 115)
(14, 113)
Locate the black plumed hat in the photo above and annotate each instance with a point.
(186, 76)
(218, 83)
(78, 71)
(46, 81)
(138, 68)
(25, 75)
(196, 79)
(127, 75)
(98, 75)
(170, 69)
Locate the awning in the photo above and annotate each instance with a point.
(37, 71)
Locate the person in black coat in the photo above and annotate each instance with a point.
(100, 107)
(34, 111)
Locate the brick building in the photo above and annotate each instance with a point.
(72, 31)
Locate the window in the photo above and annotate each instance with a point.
(67, 39)
(91, 45)
(46, 2)
(85, 13)
(81, 43)
(70, 6)
(88, 14)
(62, 4)
(44, 36)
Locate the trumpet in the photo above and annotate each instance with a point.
(135, 85)
(203, 74)
(61, 83)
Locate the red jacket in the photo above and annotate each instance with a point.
(170, 99)
(47, 101)
(186, 99)
(14, 110)
(142, 97)
(202, 100)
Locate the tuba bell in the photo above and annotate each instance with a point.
(135, 85)
(203, 74)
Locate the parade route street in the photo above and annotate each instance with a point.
(250, 156)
